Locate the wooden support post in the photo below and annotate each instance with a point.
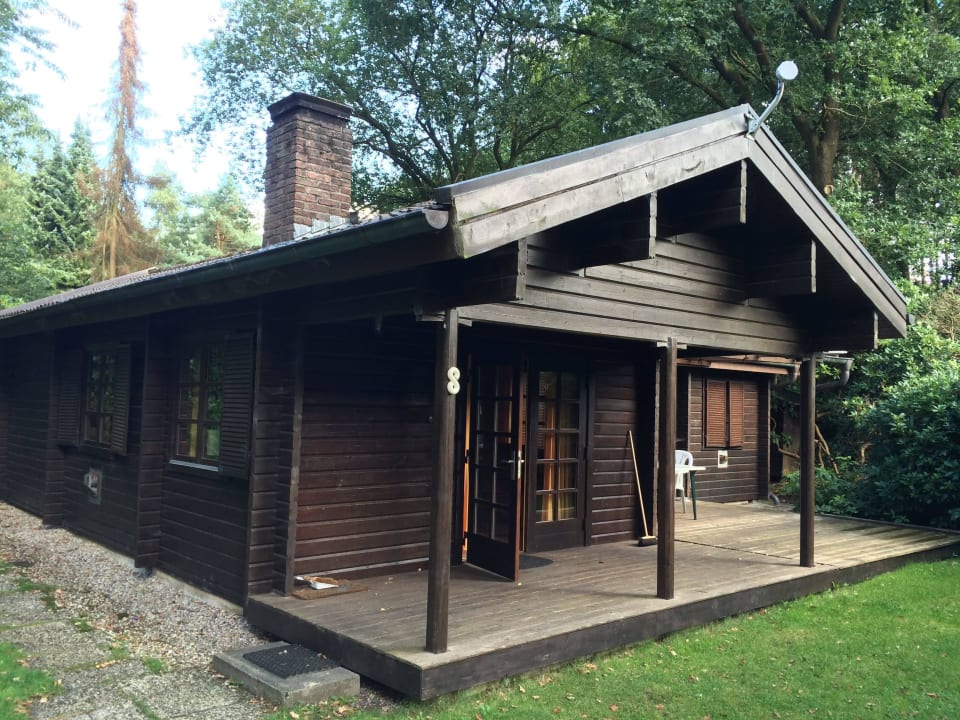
(808, 407)
(665, 475)
(441, 501)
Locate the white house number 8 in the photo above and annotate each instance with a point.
(453, 380)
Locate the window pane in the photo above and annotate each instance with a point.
(106, 427)
(567, 506)
(214, 403)
(570, 415)
(545, 507)
(212, 447)
(190, 402)
(568, 446)
(548, 385)
(91, 429)
(187, 440)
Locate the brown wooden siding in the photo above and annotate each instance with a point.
(204, 530)
(113, 521)
(365, 455)
(272, 436)
(28, 451)
(613, 489)
(692, 290)
(204, 515)
(745, 476)
(154, 439)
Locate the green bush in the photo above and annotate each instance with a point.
(833, 494)
(913, 464)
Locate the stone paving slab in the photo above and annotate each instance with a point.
(186, 693)
(89, 691)
(57, 646)
(23, 608)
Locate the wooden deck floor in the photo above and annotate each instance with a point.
(733, 559)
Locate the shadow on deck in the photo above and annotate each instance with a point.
(575, 602)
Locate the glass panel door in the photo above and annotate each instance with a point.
(557, 497)
(495, 469)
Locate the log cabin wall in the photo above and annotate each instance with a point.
(747, 475)
(204, 515)
(273, 420)
(29, 452)
(110, 515)
(693, 289)
(612, 487)
(365, 448)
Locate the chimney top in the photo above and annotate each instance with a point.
(298, 100)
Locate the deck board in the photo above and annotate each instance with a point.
(732, 559)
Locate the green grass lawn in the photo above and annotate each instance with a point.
(887, 648)
(19, 682)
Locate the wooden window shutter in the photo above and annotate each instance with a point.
(715, 414)
(121, 401)
(68, 407)
(736, 414)
(237, 413)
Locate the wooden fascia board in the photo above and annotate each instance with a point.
(772, 160)
(495, 214)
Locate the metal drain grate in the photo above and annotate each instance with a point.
(289, 661)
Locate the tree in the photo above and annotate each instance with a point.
(443, 90)
(191, 227)
(19, 38)
(122, 244)
(872, 115)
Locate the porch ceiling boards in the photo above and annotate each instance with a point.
(734, 559)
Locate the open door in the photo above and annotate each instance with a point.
(496, 466)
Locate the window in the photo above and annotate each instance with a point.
(94, 397)
(214, 402)
(99, 378)
(200, 402)
(723, 413)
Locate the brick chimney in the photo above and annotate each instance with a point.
(309, 152)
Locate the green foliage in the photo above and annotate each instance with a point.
(442, 90)
(19, 683)
(835, 494)
(190, 228)
(913, 468)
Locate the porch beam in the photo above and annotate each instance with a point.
(666, 483)
(808, 406)
(441, 501)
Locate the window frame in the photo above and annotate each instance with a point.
(723, 405)
(235, 425)
(104, 358)
(203, 349)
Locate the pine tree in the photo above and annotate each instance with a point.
(123, 245)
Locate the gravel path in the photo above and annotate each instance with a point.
(153, 616)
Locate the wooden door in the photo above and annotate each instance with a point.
(493, 507)
(555, 460)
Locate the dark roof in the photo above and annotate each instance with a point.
(369, 233)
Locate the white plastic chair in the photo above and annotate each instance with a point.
(682, 457)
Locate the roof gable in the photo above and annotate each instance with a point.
(505, 207)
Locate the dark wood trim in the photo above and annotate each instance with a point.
(297, 446)
(665, 473)
(808, 409)
(445, 391)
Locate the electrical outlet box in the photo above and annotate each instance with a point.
(723, 458)
(93, 482)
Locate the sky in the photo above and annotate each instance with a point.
(87, 56)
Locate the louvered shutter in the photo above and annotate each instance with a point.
(235, 430)
(68, 405)
(121, 401)
(736, 414)
(715, 413)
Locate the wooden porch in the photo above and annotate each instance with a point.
(571, 603)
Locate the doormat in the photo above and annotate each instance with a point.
(340, 587)
(289, 661)
(528, 562)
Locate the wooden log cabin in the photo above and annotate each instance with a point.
(451, 383)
